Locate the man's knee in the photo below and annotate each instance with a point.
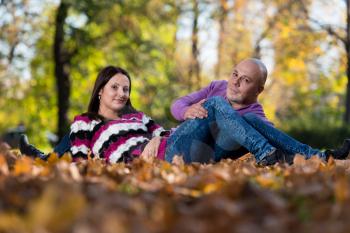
(215, 100)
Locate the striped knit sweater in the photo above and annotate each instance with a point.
(115, 140)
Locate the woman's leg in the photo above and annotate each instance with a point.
(63, 146)
(193, 138)
(281, 140)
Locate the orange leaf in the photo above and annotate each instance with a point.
(23, 166)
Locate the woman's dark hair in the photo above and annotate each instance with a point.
(102, 78)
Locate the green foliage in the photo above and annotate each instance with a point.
(325, 136)
(136, 35)
(141, 36)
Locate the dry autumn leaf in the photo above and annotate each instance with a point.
(155, 196)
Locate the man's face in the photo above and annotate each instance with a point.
(245, 84)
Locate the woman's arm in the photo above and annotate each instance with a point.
(80, 136)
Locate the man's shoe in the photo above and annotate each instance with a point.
(341, 152)
(28, 149)
(276, 156)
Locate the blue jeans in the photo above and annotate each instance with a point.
(204, 140)
(63, 146)
(224, 130)
(281, 140)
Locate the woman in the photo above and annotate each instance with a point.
(113, 130)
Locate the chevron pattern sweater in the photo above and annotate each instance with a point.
(114, 140)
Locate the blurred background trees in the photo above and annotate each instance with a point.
(51, 52)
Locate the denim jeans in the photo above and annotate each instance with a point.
(281, 140)
(63, 146)
(204, 140)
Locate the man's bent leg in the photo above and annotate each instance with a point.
(193, 133)
(236, 130)
(222, 150)
(192, 141)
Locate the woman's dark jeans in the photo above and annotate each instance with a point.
(63, 146)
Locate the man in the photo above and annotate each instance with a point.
(242, 89)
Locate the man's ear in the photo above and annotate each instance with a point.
(260, 89)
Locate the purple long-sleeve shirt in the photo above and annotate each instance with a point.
(215, 88)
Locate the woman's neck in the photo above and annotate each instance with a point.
(108, 114)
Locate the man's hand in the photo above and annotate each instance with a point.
(196, 111)
(151, 149)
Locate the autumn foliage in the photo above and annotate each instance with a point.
(156, 196)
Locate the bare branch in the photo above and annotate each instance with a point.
(270, 24)
(326, 27)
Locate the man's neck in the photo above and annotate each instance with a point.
(240, 105)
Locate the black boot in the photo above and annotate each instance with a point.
(30, 150)
(276, 156)
(341, 152)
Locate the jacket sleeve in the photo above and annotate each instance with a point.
(180, 105)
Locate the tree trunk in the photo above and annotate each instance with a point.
(62, 64)
(347, 47)
(194, 70)
(222, 19)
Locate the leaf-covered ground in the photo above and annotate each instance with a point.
(155, 196)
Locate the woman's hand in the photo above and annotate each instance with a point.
(151, 149)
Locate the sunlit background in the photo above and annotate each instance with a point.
(171, 48)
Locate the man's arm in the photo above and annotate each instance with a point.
(181, 105)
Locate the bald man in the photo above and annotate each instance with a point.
(241, 91)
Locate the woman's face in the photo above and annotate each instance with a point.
(115, 94)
